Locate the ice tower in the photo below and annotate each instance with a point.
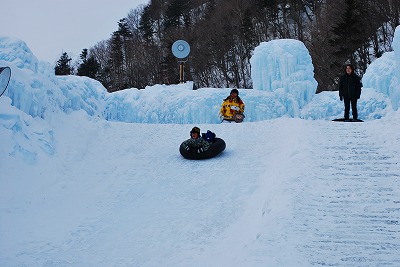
(286, 65)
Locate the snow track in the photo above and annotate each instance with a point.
(349, 208)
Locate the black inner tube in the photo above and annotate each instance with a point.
(216, 147)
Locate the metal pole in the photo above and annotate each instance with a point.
(181, 71)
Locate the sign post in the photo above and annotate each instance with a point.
(181, 50)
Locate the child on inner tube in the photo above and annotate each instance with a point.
(196, 143)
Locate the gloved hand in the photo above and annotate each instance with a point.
(341, 98)
(200, 150)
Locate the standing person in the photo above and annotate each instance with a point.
(350, 91)
(196, 143)
(232, 107)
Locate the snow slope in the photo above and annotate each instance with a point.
(281, 194)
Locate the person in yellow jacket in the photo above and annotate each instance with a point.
(232, 108)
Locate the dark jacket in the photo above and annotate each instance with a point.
(197, 143)
(350, 86)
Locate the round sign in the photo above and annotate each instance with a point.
(5, 73)
(180, 49)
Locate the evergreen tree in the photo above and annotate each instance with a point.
(348, 35)
(89, 66)
(84, 55)
(146, 25)
(116, 63)
(63, 66)
(123, 28)
(175, 14)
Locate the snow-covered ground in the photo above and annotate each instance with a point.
(285, 192)
(79, 186)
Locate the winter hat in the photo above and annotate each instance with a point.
(235, 91)
(195, 130)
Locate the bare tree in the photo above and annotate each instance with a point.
(223, 33)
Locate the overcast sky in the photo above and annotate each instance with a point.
(51, 27)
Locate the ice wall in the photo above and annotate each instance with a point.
(384, 73)
(36, 91)
(396, 48)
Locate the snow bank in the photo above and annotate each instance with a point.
(372, 105)
(31, 137)
(282, 74)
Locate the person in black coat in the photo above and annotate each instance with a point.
(350, 91)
